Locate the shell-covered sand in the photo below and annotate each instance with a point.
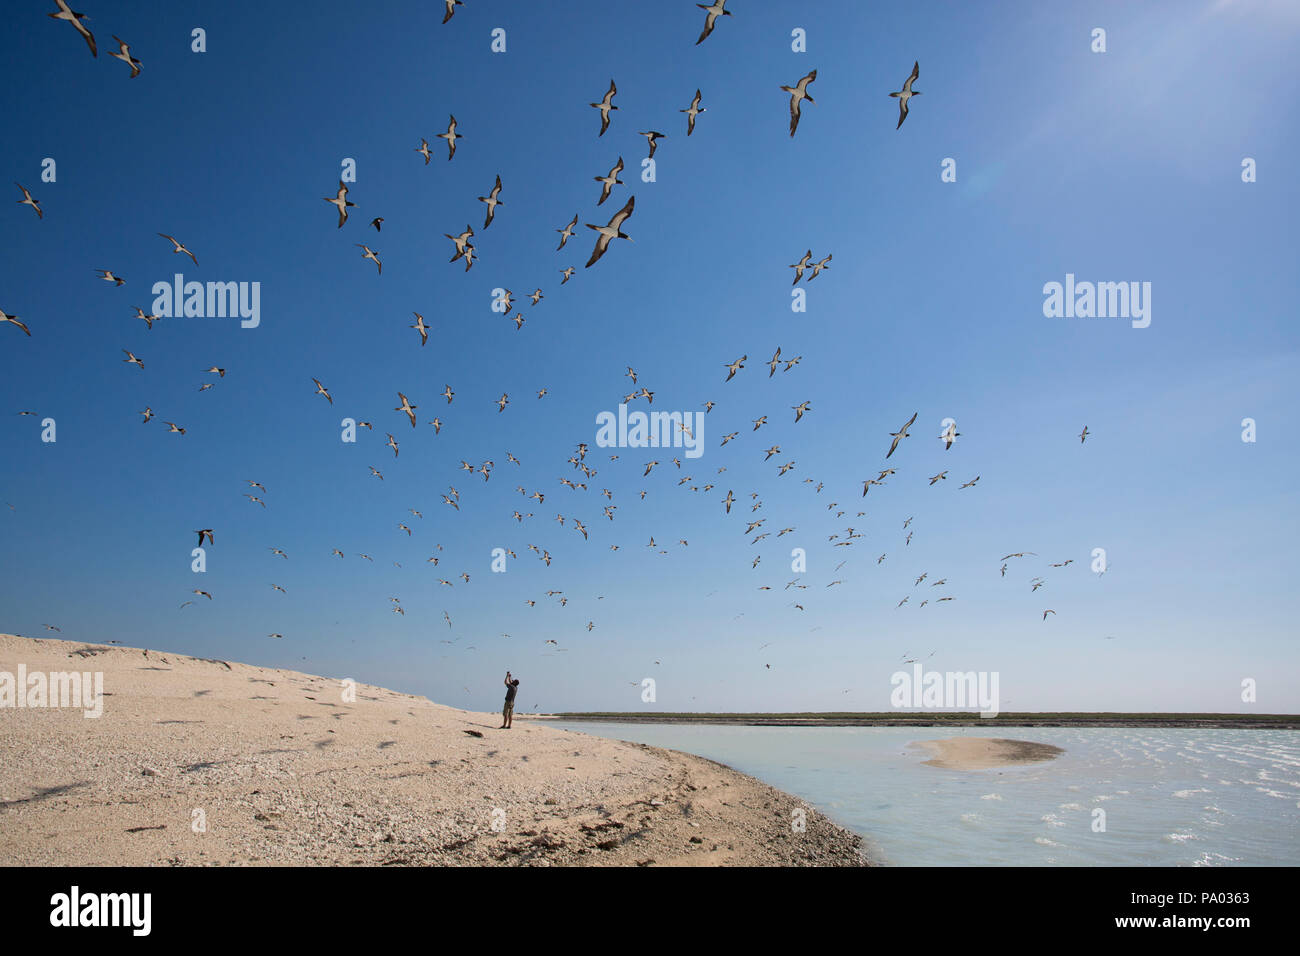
(202, 762)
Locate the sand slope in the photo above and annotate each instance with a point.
(285, 772)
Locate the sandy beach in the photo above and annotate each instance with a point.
(209, 762)
(984, 753)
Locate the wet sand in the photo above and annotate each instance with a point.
(984, 753)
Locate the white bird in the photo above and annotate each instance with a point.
(906, 93)
(901, 434)
(4, 317)
(451, 135)
(370, 254)
(711, 14)
(799, 93)
(407, 407)
(610, 181)
(694, 110)
(613, 230)
(492, 203)
(66, 13)
(800, 266)
(605, 105)
(27, 199)
(125, 56)
(340, 201)
(178, 247)
(566, 232)
(420, 327)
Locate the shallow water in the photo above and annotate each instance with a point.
(1169, 797)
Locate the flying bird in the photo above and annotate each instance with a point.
(370, 254)
(451, 135)
(692, 111)
(178, 247)
(901, 434)
(321, 390)
(799, 93)
(27, 199)
(800, 266)
(492, 203)
(407, 407)
(567, 231)
(711, 13)
(906, 93)
(107, 276)
(653, 137)
(340, 202)
(5, 317)
(613, 230)
(66, 13)
(610, 181)
(125, 56)
(451, 6)
(605, 105)
(420, 327)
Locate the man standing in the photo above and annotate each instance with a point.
(508, 711)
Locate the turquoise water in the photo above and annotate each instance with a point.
(1171, 797)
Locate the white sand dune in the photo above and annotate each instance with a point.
(280, 770)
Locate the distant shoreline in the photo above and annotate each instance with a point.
(904, 719)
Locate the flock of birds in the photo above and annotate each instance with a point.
(580, 481)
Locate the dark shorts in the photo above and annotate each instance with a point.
(509, 709)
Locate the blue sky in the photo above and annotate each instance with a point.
(1115, 166)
